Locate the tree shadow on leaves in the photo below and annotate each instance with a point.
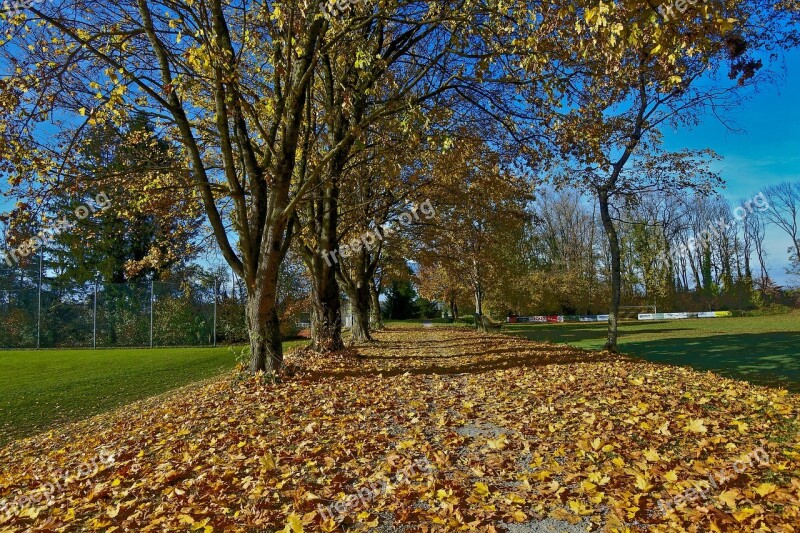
(484, 354)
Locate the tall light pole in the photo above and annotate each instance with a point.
(39, 305)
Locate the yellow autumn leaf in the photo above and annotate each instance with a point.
(652, 455)
(497, 444)
(671, 476)
(293, 524)
(765, 488)
(744, 514)
(696, 426)
(481, 489)
(642, 483)
(579, 508)
(516, 498)
(729, 498)
(268, 461)
(202, 525)
(741, 426)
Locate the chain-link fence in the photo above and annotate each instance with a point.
(38, 309)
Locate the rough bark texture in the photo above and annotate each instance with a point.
(323, 213)
(357, 279)
(266, 348)
(616, 278)
(326, 319)
(360, 304)
(375, 319)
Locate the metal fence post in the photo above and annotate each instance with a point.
(39, 306)
(214, 342)
(151, 313)
(94, 316)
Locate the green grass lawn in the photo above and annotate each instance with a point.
(763, 350)
(417, 322)
(39, 389)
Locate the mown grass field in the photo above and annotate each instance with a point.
(763, 350)
(39, 389)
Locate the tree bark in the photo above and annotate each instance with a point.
(480, 322)
(356, 276)
(616, 268)
(326, 319)
(360, 304)
(375, 321)
(797, 251)
(263, 326)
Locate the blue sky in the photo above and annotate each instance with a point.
(765, 152)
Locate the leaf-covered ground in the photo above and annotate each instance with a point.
(514, 436)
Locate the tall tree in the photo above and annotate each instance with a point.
(153, 220)
(641, 75)
(479, 203)
(230, 85)
(784, 213)
(387, 69)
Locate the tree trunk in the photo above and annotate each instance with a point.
(797, 251)
(453, 310)
(375, 319)
(616, 272)
(357, 280)
(360, 304)
(480, 322)
(326, 319)
(672, 275)
(263, 326)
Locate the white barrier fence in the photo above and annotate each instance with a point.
(679, 316)
(551, 319)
